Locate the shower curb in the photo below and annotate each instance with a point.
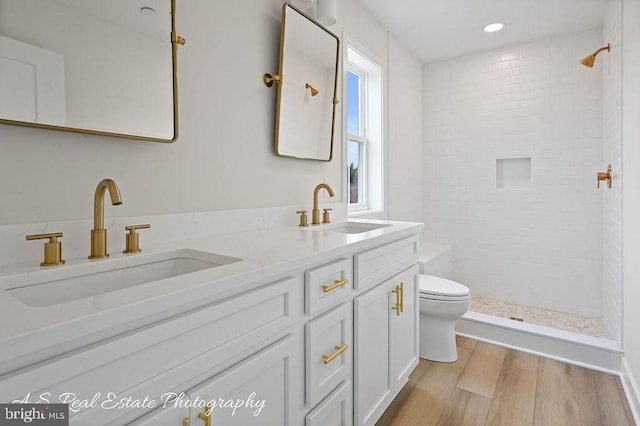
(585, 351)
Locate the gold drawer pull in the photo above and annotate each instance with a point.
(336, 284)
(339, 350)
(401, 297)
(205, 415)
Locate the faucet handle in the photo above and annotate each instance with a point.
(52, 249)
(133, 238)
(303, 218)
(325, 215)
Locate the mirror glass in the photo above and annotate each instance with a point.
(91, 66)
(307, 90)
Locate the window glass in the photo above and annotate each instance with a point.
(353, 103)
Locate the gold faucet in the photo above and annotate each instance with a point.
(315, 213)
(98, 233)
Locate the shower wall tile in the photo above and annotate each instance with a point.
(539, 246)
(612, 154)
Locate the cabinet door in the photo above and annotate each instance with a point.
(373, 376)
(335, 410)
(404, 332)
(264, 389)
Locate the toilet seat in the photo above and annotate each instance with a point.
(436, 288)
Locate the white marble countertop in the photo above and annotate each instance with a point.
(263, 253)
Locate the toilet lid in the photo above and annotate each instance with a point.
(430, 285)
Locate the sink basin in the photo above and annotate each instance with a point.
(54, 286)
(356, 227)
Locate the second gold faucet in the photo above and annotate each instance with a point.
(315, 213)
(99, 233)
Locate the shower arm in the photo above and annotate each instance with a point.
(607, 48)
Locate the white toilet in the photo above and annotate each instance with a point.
(442, 302)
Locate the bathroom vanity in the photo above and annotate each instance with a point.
(313, 326)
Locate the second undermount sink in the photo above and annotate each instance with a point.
(59, 285)
(356, 227)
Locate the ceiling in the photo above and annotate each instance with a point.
(437, 29)
(127, 13)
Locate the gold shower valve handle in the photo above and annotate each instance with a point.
(133, 238)
(303, 218)
(605, 176)
(52, 249)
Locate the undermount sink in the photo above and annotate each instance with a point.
(59, 285)
(356, 227)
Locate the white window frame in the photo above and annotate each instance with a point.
(372, 175)
(360, 138)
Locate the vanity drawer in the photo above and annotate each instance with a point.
(322, 285)
(335, 410)
(133, 364)
(379, 264)
(328, 351)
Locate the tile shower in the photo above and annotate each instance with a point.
(513, 139)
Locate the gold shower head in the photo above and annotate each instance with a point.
(314, 91)
(591, 59)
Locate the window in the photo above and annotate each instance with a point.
(364, 118)
(356, 137)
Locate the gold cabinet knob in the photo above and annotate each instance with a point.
(303, 218)
(325, 215)
(52, 249)
(133, 238)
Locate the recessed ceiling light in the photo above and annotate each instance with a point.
(146, 10)
(492, 28)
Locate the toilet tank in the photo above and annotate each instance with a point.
(436, 259)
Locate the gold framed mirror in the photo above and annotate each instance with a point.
(307, 84)
(90, 66)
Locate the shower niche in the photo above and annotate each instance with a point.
(513, 173)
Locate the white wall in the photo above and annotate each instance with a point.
(404, 163)
(224, 157)
(539, 246)
(631, 195)
(610, 64)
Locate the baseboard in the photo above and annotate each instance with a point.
(585, 351)
(631, 390)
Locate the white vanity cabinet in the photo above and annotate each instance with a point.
(165, 357)
(386, 332)
(327, 339)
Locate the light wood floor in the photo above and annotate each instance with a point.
(491, 385)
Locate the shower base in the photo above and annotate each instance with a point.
(540, 316)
